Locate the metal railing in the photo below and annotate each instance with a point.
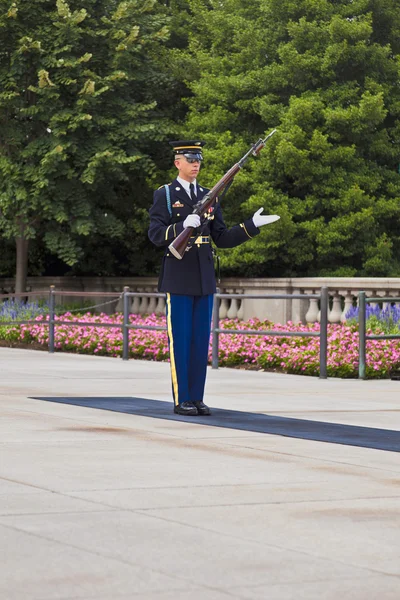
(52, 312)
(362, 329)
(125, 326)
(323, 297)
(216, 331)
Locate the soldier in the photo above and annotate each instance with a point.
(190, 283)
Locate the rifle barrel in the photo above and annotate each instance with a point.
(179, 245)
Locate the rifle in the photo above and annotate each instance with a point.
(180, 245)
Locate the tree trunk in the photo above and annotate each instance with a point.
(21, 274)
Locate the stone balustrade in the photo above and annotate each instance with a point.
(343, 293)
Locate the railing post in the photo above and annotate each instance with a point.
(52, 302)
(215, 334)
(361, 334)
(323, 334)
(125, 329)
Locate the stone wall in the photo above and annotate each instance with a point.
(342, 290)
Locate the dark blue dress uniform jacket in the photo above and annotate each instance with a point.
(194, 275)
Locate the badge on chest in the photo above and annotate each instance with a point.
(209, 214)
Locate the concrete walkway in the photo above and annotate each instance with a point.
(104, 505)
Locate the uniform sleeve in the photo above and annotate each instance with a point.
(229, 238)
(162, 230)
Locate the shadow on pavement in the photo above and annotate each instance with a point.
(334, 433)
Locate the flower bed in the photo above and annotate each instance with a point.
(284, 354)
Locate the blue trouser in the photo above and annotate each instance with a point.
(189, 326)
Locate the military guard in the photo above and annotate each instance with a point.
(190, 283)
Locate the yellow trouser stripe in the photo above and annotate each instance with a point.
(171, 351)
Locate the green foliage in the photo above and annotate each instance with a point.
(91, 90)
(9, 334)
(326, 74)
(378, 326)
(7, 262)
(83, 103)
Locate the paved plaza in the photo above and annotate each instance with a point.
(100, 505)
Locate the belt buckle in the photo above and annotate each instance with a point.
(201, 239)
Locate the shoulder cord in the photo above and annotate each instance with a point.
(168, 195)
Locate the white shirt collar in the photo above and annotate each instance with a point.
(186, 185)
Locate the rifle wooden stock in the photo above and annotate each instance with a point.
(181, 243)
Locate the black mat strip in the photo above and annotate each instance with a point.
(334, 433)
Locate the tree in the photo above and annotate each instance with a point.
(326, 73)
(79, 84)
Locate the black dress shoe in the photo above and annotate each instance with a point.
(186, 408)
(202, 408)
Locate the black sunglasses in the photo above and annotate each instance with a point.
(193, 158)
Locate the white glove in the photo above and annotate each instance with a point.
(259, 220)
(191, 221)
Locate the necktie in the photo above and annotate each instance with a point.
(192, 194)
